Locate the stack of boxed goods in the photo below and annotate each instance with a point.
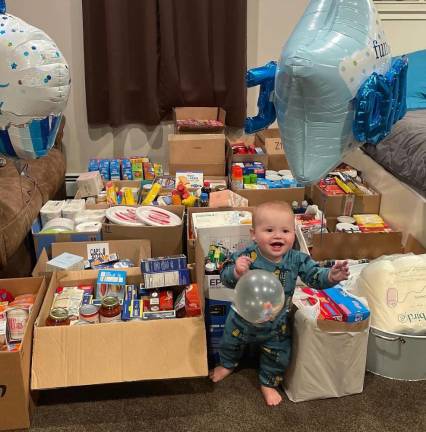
(330, 331)
(198, 143)
(165, 292)
(251, 177)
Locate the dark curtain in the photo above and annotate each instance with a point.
(144, 57)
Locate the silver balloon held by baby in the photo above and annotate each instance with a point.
(259, 296)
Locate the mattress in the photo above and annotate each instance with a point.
(403, 151)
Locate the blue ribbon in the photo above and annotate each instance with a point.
(265, 77)
(380, 103)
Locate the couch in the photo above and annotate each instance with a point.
(25, 185)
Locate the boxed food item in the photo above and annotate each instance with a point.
(166, 279)
(162, 264)
(352, 309)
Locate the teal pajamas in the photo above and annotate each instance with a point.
(273, 337)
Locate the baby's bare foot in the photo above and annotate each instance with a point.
(219, 373)
(271, 395)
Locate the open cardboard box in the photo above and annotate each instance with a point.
(134, 250)
(197, 152)
(16, 400)
(247, 140)
(45, 240)
(199, 113)
(259, 196)
(341, 245)
(347, 204)
(164, 240)
(67, 356)
(271, 139)
(190, 240)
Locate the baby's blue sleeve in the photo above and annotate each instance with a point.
(312, 274)
(227, 275)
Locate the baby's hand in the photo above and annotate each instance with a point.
(242, 265)
(339, 272)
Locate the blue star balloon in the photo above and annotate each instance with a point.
(334, 49)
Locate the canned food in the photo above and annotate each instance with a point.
(110, 310)
(16, 322)
(89, 313)
(58, 317)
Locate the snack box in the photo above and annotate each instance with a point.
(166, 279)
(163, 264)
(328, 309)
(351, 308)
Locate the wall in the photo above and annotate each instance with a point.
(269, 23)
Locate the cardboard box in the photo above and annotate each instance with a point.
(340, 205)
(259, 196)
(16, 400)
(190, 240)
(199, 113)
(45, 241)
(248, 140)
(271, 139)
(341, 245)
(164, 240)
(114, 352)
(197, 152)
(134, 250)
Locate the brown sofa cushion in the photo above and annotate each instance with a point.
(22, 195)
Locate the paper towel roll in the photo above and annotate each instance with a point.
(89, 227)
(51, 210)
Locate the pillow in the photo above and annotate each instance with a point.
(416, 80)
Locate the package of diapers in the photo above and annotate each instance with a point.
(396, 293)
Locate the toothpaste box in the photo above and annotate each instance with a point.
(328, 309)
(163, 264)
(351, 308)
(166, 279)
(131, 309)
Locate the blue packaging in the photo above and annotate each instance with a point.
(114, 169)
(126, 169)
(132, 309)
(164, 279)
(111, 283)
(162, 264)
(93, 165)
(352, 309)
(104, 169)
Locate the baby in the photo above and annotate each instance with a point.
(273, 237)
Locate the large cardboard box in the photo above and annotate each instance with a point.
(44, 241)
(69, 356)
(341, 245)
(271, 140)
(199, 113)
(16, 401)
(259, 196)
(197, 152)
(347, 204)
(164, 240)
(133, 250)
(247, 140)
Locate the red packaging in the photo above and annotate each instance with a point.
(328, 309)
(158, 300)
(192, 301)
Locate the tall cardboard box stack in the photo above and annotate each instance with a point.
(195, 150)
(16, 400)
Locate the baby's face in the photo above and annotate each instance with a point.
(274, 233)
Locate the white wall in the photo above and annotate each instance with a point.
(269, 23)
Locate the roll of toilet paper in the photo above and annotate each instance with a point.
(72, 208)
(51, 210)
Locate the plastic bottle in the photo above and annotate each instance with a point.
(206, 188)
(204, 199)
(237, 177)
